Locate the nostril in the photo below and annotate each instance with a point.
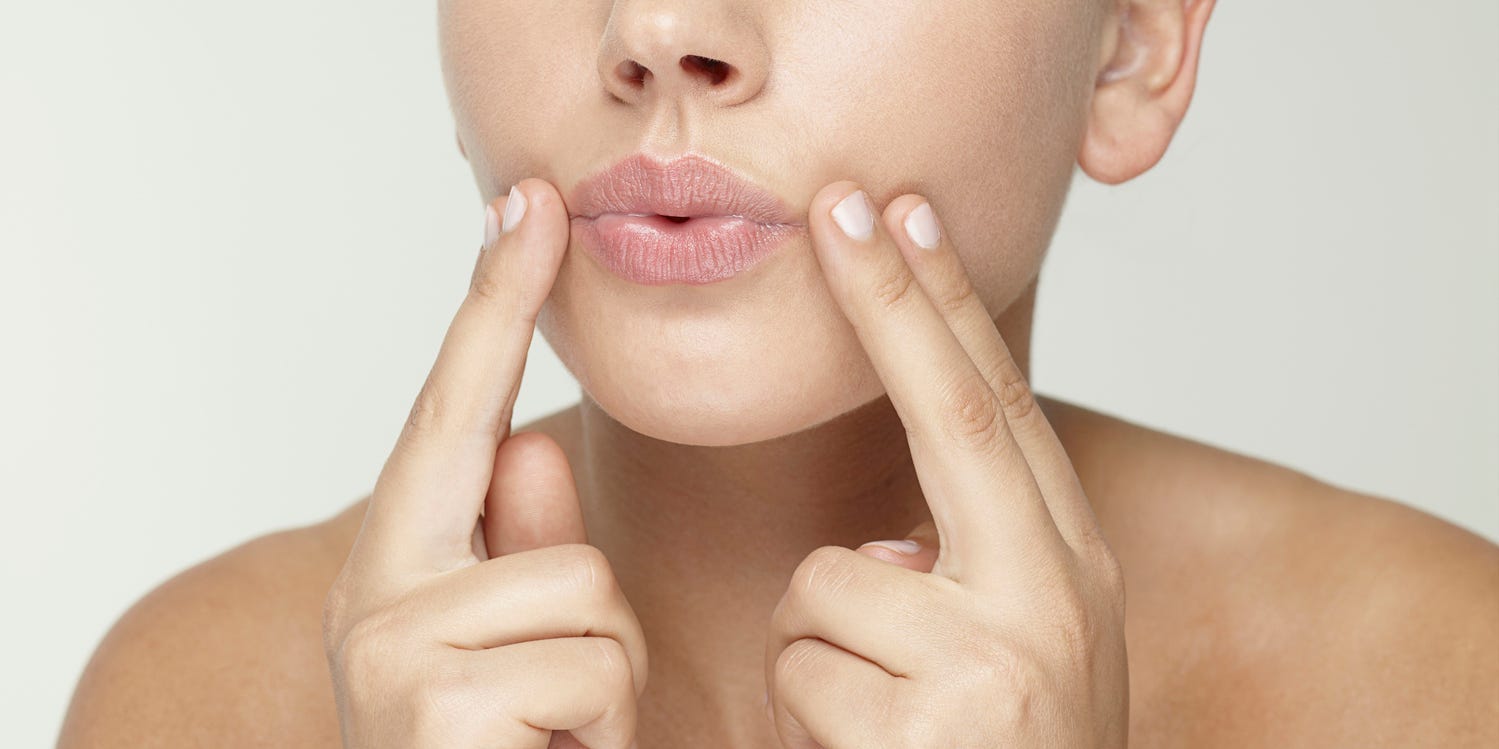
(633, 72)
(715, 70)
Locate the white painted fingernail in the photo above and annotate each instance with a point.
(903, 546)
(515, 209)
(854, 215)
(921, 227)
(491, 226)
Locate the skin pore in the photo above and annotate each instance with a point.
(726, 431)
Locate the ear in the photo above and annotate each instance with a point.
(1149, 69)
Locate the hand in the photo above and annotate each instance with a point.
(446, 628)
(1010, 630)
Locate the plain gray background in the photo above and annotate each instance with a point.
(234, 234)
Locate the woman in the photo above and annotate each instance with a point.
(790, 252)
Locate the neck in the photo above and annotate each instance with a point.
(704, 540)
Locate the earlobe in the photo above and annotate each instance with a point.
(1142, 91)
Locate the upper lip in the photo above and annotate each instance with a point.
(690, 185)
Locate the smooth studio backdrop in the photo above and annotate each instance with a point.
(234, 234)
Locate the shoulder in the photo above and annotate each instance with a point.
(1284, 607)
(1400, 610)
(225, 653)
(229, 652)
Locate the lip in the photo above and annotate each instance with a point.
(621, 217)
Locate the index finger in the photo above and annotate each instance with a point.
(940, 271)
(431, 490)
(989, 511)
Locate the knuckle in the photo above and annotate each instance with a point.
(444, 697)
(586, 569)
(494, 288)
(433, 414)
(335, 613)
(614, 664)
(970, 413)
(1007, 672)
(957, 295)
(1015, 395)
(796, 662)
(1075, 627)
(894, 288)
(487, 286)
(366, 648)
(825, 570)
(1110, 571)
(1000, 666)
(428, 411)
(1111, 575)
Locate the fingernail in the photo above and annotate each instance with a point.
(854, 215)
(903, 546)
(515, 209)
(921, 227)
(491, 226)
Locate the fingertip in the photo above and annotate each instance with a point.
(879, 552)
(492, 215)
(533, 221)
(912, 223)
(839, 222)
(533, 500)
(550, 215)
(542, 196)
(822, 211)
(824, 199)
(536, 454)
(898, 209)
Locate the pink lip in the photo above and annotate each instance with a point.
(620, 216)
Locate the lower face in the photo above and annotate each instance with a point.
(977, 105)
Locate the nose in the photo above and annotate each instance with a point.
(706, 50)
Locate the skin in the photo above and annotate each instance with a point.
(738, 444)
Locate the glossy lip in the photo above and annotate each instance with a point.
(620, 216)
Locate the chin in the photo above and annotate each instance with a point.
(761, 355)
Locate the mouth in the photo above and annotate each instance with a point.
(655, 249)
(673, 219)
(691, 220)
(681, 219)
(689, 186)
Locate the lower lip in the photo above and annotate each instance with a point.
(655, 250)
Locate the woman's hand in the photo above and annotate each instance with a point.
(445, 629)
(1010, 632)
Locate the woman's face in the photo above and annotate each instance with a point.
(978, 105)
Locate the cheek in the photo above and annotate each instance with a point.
(503, 64)
(978, 106)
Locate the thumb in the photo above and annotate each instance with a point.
(917, 551)
(532, 500)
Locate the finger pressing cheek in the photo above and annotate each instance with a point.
(872, 258)
(860, 262)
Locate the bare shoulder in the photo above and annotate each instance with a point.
(1395, 612)
(225, 653)
(229, 652)
(1274, 608)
